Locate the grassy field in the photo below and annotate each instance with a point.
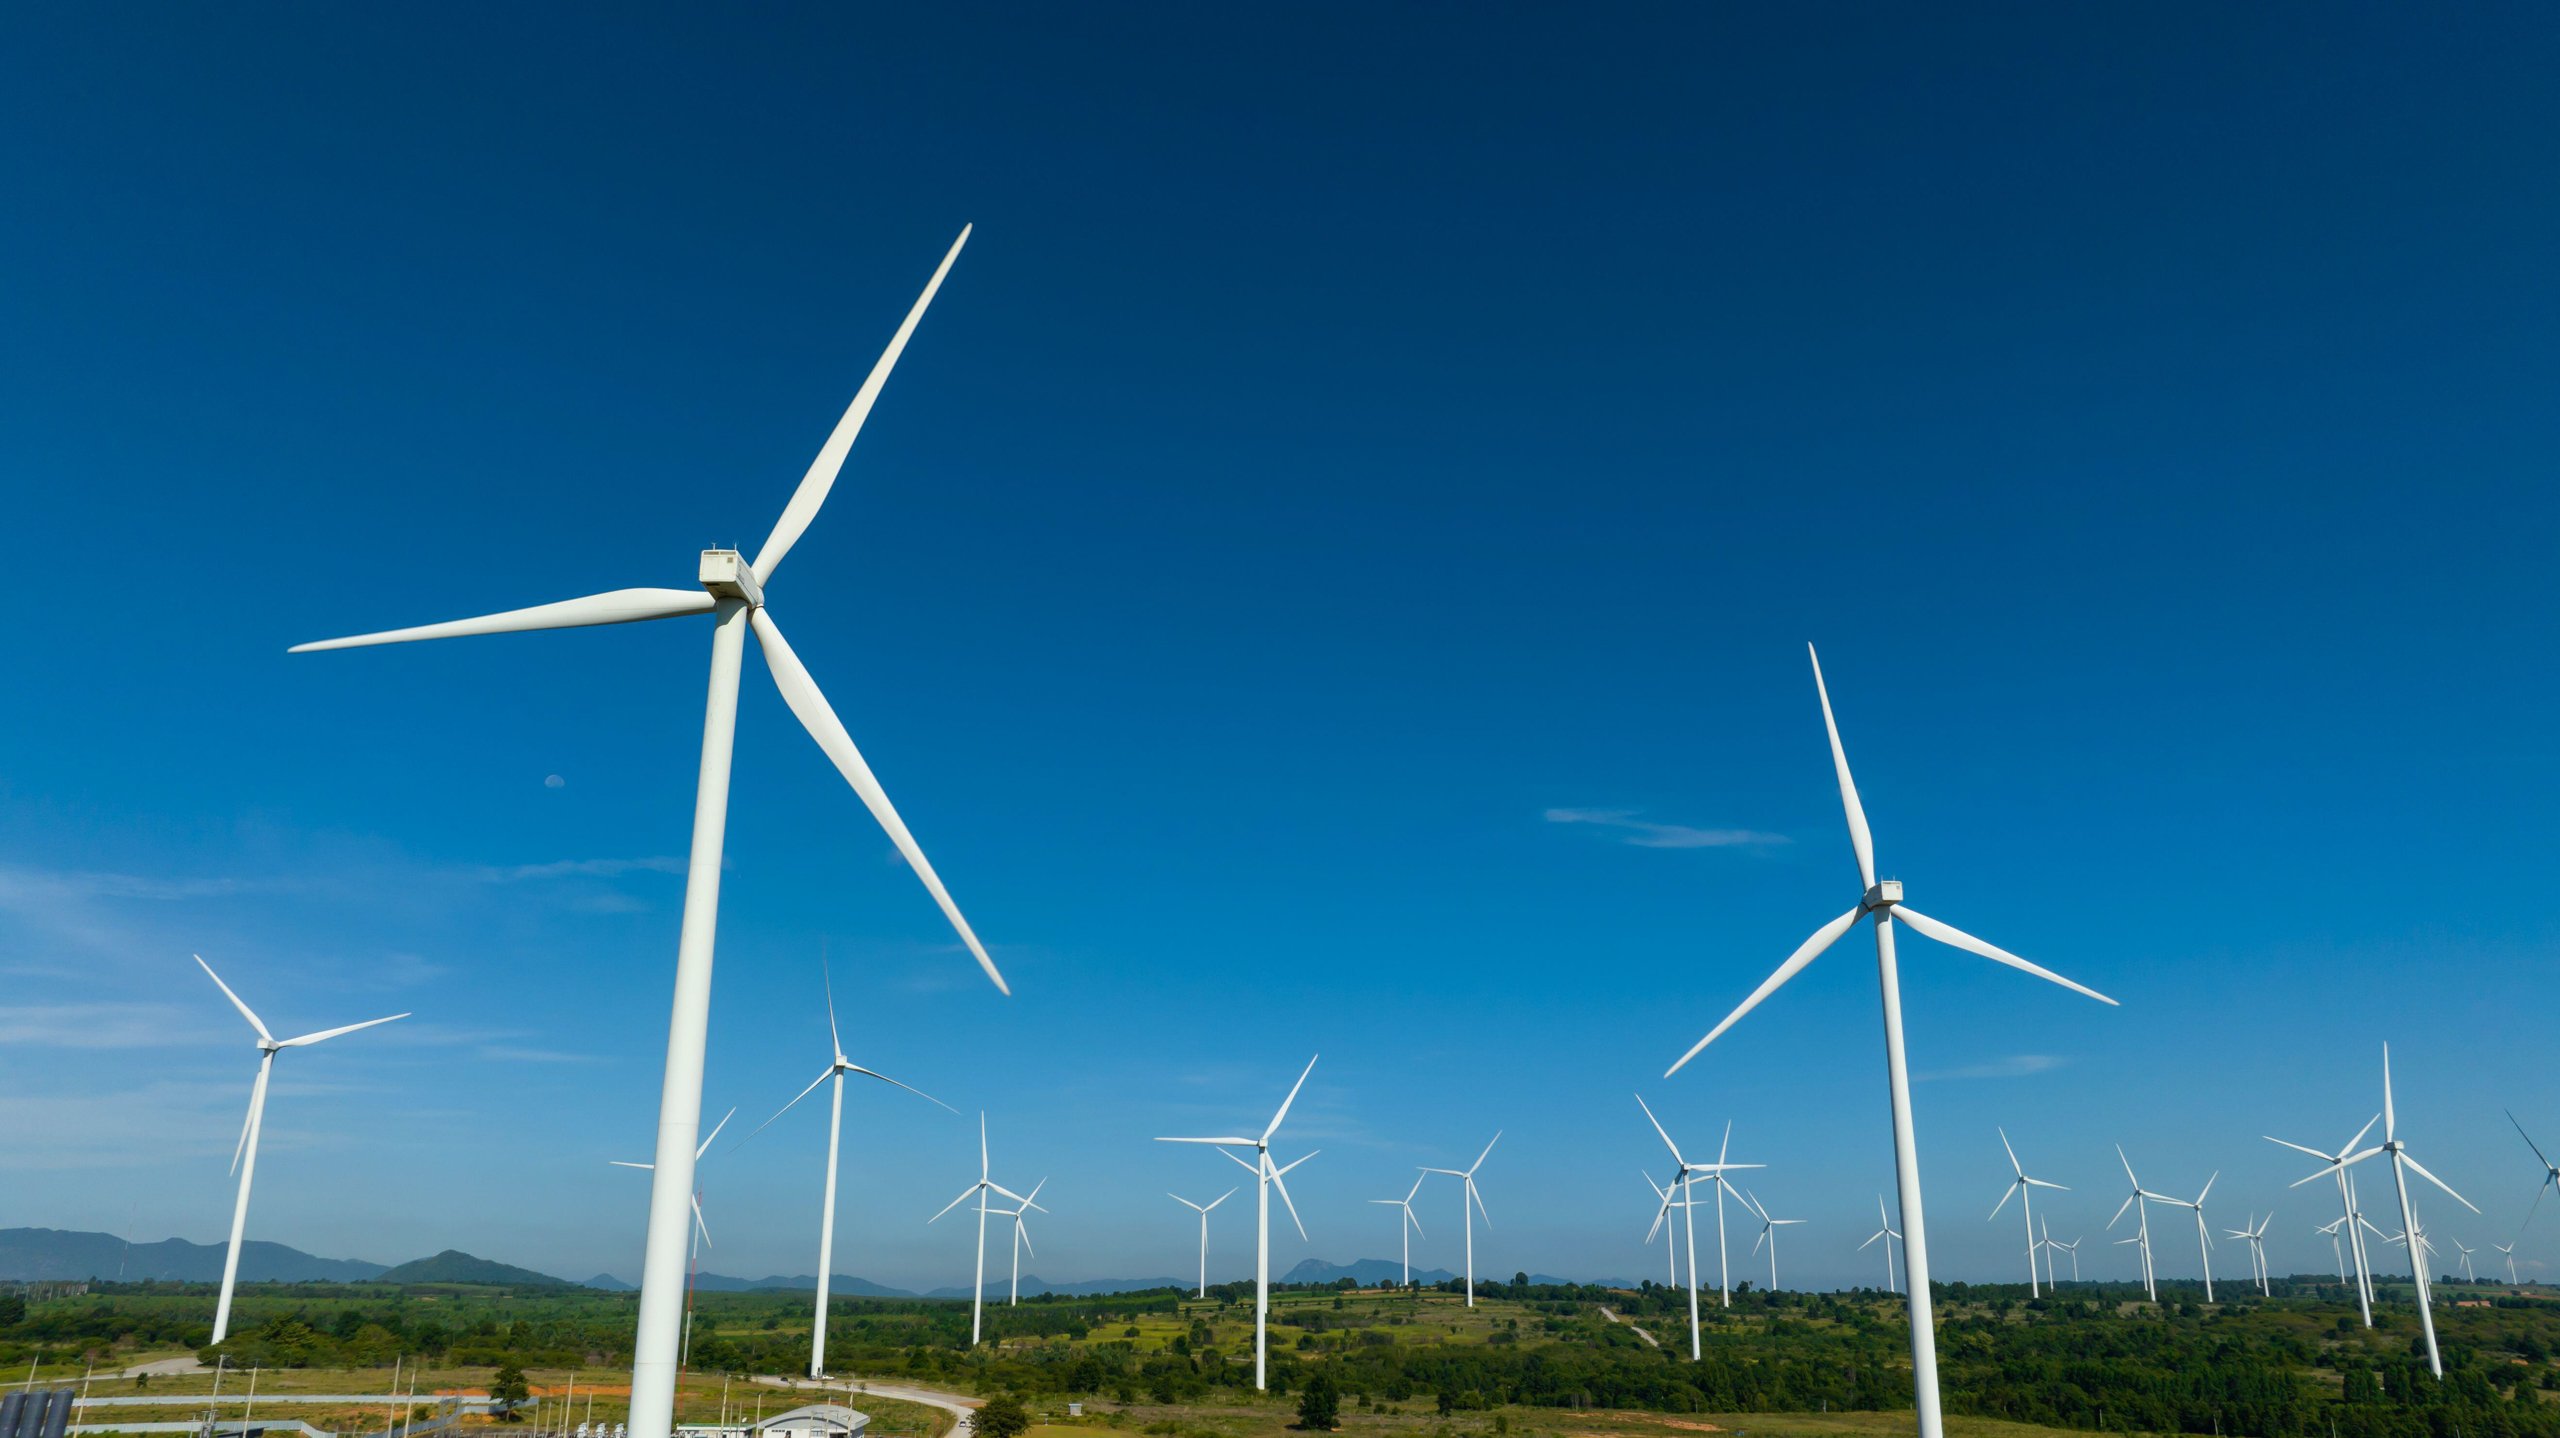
(1275, 1419)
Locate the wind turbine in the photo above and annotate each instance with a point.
(1884, 1231)
(2402, 1165)
(1882, 902)
(1406, 1229)
(2018, 1188)
(244, 1154)
(2509, 1250)
(2335, 1165)
(2255, 1234)
(2550, 1174)
(1685, 1179)
(700, 1234)
(2204, 1235)
(1203, 1210)
(836, 1069)
(2335, 1251)
(1669, 1193)
(1768, 1234)
(1467, 1180)
(979, 1191)
(2072, 1248)
(2138, 1200)
(733, 594)
(1021, 1237)
(1266, 1177)
(2466, 1251)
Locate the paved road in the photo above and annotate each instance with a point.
(240, 1394)
(958, 1405)
(163, 1367)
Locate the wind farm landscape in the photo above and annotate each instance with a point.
(1397, 566)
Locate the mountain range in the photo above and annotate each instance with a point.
(37, 1254)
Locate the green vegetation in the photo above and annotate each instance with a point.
(1538, 1361)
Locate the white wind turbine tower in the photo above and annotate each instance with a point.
(1266, 1178)
(244, 1154)
(700, 1234)
(2204, 1235)
(733, 594)
(2335, 1166)
(1685, 1179)
(1021, 1236)
(1467, 1185)
(1884, 1233)
(2018, 1188)
(1882, 902)
(1406, 1228)
(2402, 1165)
(1768, 1234)
(1203, 1210)
(836, 1069)
(2509, 1250)
(2139, 1200)
(979, 1191)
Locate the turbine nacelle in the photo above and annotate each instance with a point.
(1883, 894)
(728, 575)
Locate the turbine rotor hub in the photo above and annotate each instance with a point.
(1885, 894)
(726, 573)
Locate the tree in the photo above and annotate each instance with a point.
(1002, 1416)
(507, 1390)
(1320, 1404)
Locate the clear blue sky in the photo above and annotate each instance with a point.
(1351, 438)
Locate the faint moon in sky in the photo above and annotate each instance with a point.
(554, 781)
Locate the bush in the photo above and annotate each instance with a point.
(1320, 1405)
(1002, 1416)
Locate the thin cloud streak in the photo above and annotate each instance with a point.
(2014, 1066)
(1645, 834)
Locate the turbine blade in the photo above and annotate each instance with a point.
(245, 1011)
(618, 606)
(2013, 1153)
(698, 1223)
(2528, 1138)
(829, 979)
(251, 1115)
(1274, 1126)
(2208, 1188)
(308, 1039)
(2005, 1195)
(1301, 1158)
(626, 1163)
(2299, 1148)
(1186, 1203)
(911, 1088)
(1417, 1223)
(1476, 1194)
(828, 1073)
(2350, 1144)
(2387, 1120)
(1283, 1185)
(1488, 1152)
(1859, 838)
(2040, 1183)
(965, 1195)
(1221, 1198)
(715, 1133)
(831, 456)
(1805, 953)
(1239, 1161)
(2421, 1170)
(801, 693)
(1657, 1128)
(2121, 1207)
(1240, 1142)
(1947, 934)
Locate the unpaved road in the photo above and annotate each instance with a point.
(1612, 1315)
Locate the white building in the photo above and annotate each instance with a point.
(817, 1420)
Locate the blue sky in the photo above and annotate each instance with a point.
(1350, 442)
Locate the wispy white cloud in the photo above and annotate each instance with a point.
(580, 869)
(2014, 1066)
(1645, 834)
(88, 1026)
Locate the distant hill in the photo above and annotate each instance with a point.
(28, 1254)
(1367, 1272)
(455, 1266)
(842, 1283)
(1034, 1285)
(611, 1284)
